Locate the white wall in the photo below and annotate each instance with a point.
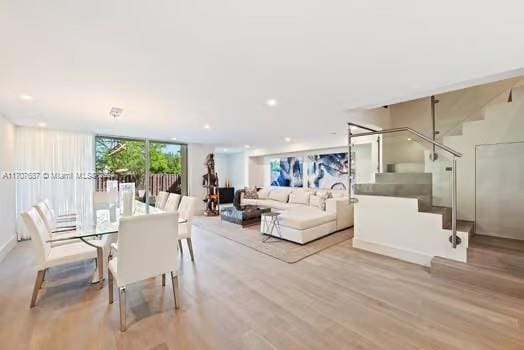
(222, 167)
(373, 118)
(238, 170)
(394, 227)
(502, 123)
(256, 171)
(7, 188)
(232, 167)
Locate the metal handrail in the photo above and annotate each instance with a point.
(453, 238)
(414, 132)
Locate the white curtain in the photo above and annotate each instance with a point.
(64, 166)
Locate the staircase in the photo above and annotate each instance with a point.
(412, 185)
(493, 263)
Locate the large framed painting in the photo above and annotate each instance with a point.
(287, 172)
(328, 171)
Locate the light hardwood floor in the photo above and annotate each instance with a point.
(236, 298)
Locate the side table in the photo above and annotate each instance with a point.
(269, 223)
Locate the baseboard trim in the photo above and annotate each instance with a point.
(393, 252)
(7, 247)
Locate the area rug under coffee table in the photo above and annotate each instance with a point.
(280, 249)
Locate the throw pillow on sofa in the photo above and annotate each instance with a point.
(250, 193)
(318, 201)
(299, 197)
(279, 195)
(263, 193)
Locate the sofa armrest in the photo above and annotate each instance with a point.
(343, 210)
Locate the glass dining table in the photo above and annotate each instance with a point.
(102, 234)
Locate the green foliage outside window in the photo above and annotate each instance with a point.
(127, 157)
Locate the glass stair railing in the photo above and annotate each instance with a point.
(402, 162)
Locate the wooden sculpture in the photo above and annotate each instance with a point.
(210, 182)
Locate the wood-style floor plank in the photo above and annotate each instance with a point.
(236, 298)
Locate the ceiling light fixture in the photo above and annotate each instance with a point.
(287, 139)
(116, 112)
(247, 146)
(207, 126)
(225, 149)
(272, 102)
(409, 139)
(42, 125)
(25, 97)
(173, 138)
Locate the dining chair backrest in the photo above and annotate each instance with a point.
(161, 199)
(187, 208)
(51, 211)
(36, 227)
(147, 247)
(47, 215)
(101, 198)
(172, 202)
(105, 203)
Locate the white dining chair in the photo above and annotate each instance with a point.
(186, 211)
(172, 202)
(48, 256)
(56, 230)
(105, 206)
(50, 219)
(63, 218)
(161, 199)
(146, 248)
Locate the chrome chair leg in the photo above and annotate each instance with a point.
(163, 280)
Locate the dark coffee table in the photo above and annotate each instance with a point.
(244, 215)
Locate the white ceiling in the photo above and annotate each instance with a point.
(176, 65)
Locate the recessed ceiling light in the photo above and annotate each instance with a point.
(287, 139)
(247, 146)
(173, 138)
(225, 149)
(42, 125)
(207, 126)
(409, 138)
(272, 102)
(25, 97)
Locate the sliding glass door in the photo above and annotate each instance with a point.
(120, 161)
(145, 166)
(167, 168)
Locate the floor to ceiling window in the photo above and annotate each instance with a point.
(149, 166)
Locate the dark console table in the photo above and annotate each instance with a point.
(226, 194)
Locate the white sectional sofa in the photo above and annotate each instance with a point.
(301, 218)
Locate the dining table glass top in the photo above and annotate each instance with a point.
(106, 227)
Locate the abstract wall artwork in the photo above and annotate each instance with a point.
(328, 171)
(287, 172)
